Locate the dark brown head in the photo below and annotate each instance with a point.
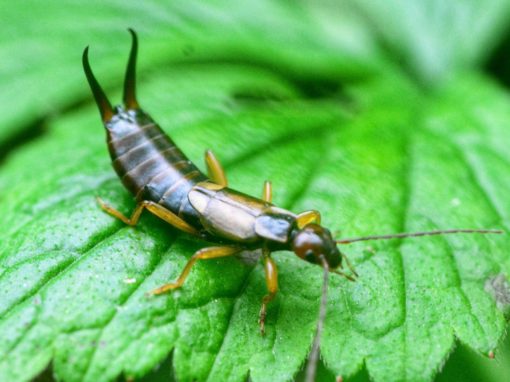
(313, 241)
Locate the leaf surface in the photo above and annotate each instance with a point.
(374, 155)
(418, 294)
(83, 275)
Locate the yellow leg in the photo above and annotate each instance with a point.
(272, 287)
(308, 217)
(154, 208)
(203, 254)
(214, 169)
(267, 192)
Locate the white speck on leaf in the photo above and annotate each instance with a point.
(499, 288)
(455, 202)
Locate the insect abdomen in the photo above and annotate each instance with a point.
(149, 163)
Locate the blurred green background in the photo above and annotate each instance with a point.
(320, 47)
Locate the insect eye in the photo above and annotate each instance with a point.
(309, 256)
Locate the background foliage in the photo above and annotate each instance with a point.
(385, 116)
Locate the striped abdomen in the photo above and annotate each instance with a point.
(149, 163)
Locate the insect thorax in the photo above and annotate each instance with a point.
(239, 217)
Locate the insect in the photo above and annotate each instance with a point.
(170, 186)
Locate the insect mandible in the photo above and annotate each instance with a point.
(170, 186)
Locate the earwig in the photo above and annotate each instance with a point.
(170, 186)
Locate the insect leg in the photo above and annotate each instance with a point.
(215, 170)
(156, 209)
(272, 287)
(267, 192)
(307, 217)
(203, 254)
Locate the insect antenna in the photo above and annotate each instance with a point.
(416, 234)
(129, 98)
(104, 106)
(311, 367)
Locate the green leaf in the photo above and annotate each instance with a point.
(81, 276)
(84, 275)
(417, 295)
(261, 87)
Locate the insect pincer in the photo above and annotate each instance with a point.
(103, 104)
(121, 120)
(129, 98)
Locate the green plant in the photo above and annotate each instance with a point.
(381, 118)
